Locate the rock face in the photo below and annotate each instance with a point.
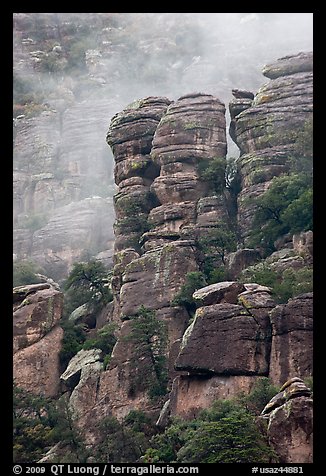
(54, 182)
(292, 343)
(264, 127)
(290, 422)
(75, 229)
(37, 338)
(158, 146)
(60, 155)
(163, 208)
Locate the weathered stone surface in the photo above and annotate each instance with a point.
(19, 293)
(117, 389)
(179, 187)
(37, 309)
(162, 271)
(240, 260)
(192, 393)
(239, 104)
(60, 157)
(84, 314)
(256, 298)
(170, 217)
(226, 291)
(84, 394)
(287, 65)
(242, 93)
(211, 211)
(303, 245)
(134, 166)
(247, 208)
(79, 226)
(217, 328)
(131, 131)
(192, 128)
(290, 422)
(82, 359)
(292, 344)
(36, 367)
(265, 131)
(290, 431)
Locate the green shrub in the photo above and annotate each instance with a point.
(93, 278)
(24, 272)
(120, 442)
(261, 393)
(104, 340)
(148, 338)
(72, 341)
(286, 207)
(285, 285)
(213, 171)
(224, 433)
(193, 280)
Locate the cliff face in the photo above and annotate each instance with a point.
(72, 74)
(37, 338)
(264, 127)
(62, 166)
(219, 340)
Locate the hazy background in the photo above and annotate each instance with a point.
(74, 71)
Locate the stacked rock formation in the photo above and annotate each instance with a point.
(290, 422)
(164, 191)
(157, 147)
(264, 127)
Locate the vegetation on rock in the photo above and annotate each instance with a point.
(40, 423)
(149, 340)
(286, 207)
(193, 280)
(25, 272)
(91, 277)
(284, 284)
(224, 433)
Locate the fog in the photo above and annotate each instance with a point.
(142, 54)
(74, 71)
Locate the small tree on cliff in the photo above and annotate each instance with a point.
(149, 340)
(286, 207)
(93, 278)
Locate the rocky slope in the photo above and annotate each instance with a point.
(224, 336)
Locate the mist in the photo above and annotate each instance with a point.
(132, 55)
(122, 57)
(74, 71)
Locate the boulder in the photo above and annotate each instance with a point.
(302, 62)
(84, 394)
(36, 368)
(290, 431)
(193, 128)
(216, 329)
(226, 291)
(37, 310)
(240, 260)
(78, 363)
